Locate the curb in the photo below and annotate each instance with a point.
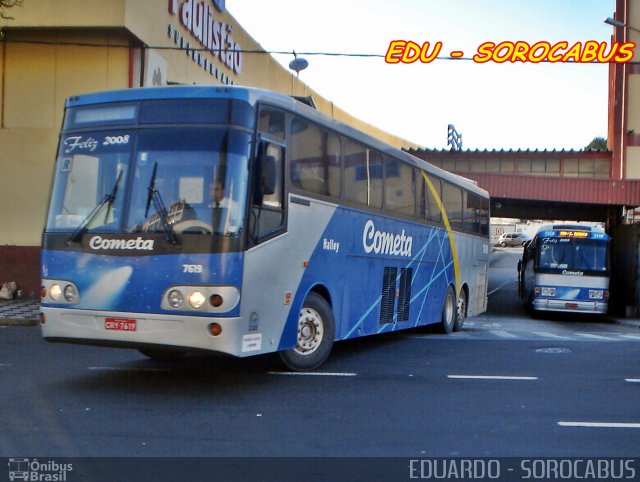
(629, 323)
(20, 312)
(19, 322)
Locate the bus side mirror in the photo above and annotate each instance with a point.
(519, 265)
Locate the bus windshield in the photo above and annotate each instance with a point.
(107, 180)
(573, 254)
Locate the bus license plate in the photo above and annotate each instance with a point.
(120, 324)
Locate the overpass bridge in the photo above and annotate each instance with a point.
(544, 184)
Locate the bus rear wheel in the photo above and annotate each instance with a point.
(461, 314)
(449, 311)
(315, 335)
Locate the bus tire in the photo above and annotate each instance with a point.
(449, 311)
(163, 354)
(461, 313)
(528, 307)
(315, 335)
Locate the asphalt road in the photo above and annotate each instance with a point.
(506, 386)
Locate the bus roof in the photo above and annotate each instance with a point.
(255, 95)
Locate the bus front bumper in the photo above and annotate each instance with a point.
(592, 307)
(143, 330)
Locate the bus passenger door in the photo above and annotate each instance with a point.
(267, 218)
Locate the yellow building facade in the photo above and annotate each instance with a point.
(53, 49)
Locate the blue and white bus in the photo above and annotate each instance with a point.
(323, 233)
(566, 268)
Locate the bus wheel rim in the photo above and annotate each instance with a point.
(449, 310)
(310, 331)
(462, 307)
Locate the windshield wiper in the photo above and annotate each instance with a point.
(154, 195)
(107, 199)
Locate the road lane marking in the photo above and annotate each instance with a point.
(503, 334)
(6, 365)
(491, 377)
(600, 424)
(315, 374)
(130, 369)
(491, 325)
(545, 334)
(498, 288)
(593, 337)
(632, 380)
(631, 337)
(554, 350)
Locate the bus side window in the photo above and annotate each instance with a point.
(272, 122)
(475, 215)
(452, 201)
(428, 206)
(399, 187)
(314, 155)
(363, 173)
(268, 216)
(484, 216)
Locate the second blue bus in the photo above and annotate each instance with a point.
(566, 268)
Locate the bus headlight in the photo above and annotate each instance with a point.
(545, 291)
(175, 299)
(70, 293)
(59, 291)
(196, 300)
(209, 299)
(55, 292)
(596, 294)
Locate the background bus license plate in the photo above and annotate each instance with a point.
(120, 324)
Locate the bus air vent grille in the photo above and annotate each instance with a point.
(388, 301)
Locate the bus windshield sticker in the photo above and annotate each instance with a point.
(77, 142)
(66, 164)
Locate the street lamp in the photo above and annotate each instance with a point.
(618, 23)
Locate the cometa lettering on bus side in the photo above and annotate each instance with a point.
(381, 242)
(138, 244)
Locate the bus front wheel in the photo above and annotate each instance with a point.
(315, 335)
(449, 311)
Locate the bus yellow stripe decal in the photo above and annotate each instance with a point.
(445, 218)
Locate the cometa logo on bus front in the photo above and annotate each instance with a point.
(380, 242)
(138, 244)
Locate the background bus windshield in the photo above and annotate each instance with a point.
(573, 254)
